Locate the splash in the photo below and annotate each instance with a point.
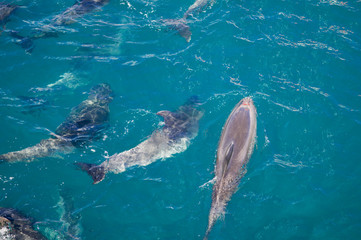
(69, 80)
(5, 233)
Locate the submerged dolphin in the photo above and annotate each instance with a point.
(180, 127)
(84, 123)
(15, 226)
(67, 17)
(234, 150)
(181, 24)
(78, 10)
(5, 11)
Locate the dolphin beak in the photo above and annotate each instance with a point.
(247, 101)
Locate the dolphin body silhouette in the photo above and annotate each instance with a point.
(15, 226)
(5, 11)
(234, 150)
(80, 8)
(181, 24)
(180, 128)
(67, 17)
(84, 124)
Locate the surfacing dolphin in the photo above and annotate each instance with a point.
(180, 128)
(234, 150)
(85, 123)
(181, 24)
(15, 226)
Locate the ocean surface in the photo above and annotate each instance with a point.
(300, 61)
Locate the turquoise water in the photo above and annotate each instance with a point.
(300, 61)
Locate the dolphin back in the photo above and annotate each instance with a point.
(6, 10)
(197, 6)
(181, 26)
(234, 150)
(77, 10)
(87, 120)
(183, 122)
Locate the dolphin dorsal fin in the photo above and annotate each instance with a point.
(228, 156)
(167, 115)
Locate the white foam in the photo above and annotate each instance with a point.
(69, 80)
(5, 234)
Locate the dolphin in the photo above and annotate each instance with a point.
(5, 11)
(84, 124)
(179, 129)
(67, 17)
(234, 150)
(181, 24)
(80, 8)
(15, 226)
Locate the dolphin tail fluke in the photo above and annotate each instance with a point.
(181, 26)
(96, 172)
(25, 42)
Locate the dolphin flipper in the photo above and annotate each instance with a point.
(181, 26)
(96, 172)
